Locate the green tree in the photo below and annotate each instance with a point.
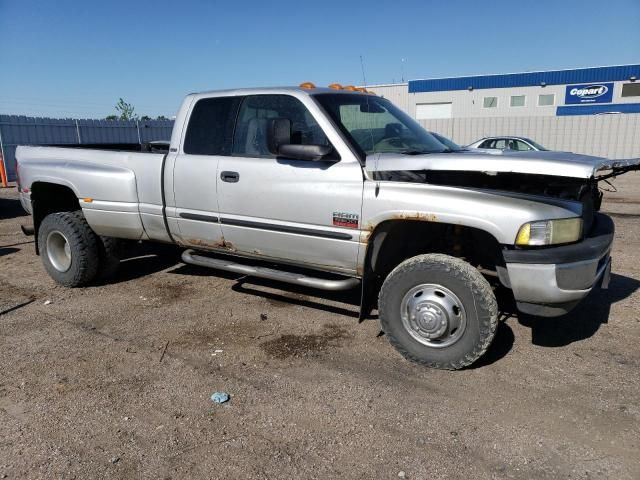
(161, 117)
(111, 117)
(145, 118)
(126, 110)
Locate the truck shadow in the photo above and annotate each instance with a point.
(7, 250)
(585, 320)
(145, 258)
(301, 296)
(11, 208)
(285, 294)
(582, 323)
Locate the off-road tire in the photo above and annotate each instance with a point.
(467, 283)
(110, 251)
(83, 246)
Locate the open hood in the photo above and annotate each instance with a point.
(560, 164)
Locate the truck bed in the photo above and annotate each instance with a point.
(119, 191)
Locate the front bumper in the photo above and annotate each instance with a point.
(553, 280)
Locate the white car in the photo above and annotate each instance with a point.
(511, 144)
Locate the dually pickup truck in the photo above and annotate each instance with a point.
(336, 188)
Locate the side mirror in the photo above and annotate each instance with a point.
(279, 143)
(304, 152)
(278, 133)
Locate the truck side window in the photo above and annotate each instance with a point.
(250, 139)
(210, 128)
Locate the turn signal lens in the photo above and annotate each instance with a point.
(307, 85)
(524, 235)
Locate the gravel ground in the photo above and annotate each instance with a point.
(114, 380)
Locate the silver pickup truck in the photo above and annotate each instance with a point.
(335, 189)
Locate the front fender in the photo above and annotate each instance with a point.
(500, 215)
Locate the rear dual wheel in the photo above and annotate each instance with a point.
(438, 311)
(72, 254)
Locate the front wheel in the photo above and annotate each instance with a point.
(438, 311)
(69, 248)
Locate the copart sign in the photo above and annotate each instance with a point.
(589, 93)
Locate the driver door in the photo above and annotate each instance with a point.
(300, 211)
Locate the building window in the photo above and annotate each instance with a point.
(517, 100)
(490, 102)
(427, 111)
(546, 100)
(631, 90)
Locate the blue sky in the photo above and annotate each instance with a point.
(75, 58)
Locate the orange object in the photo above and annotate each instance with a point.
(307, 85)
(361, 89)
(335, 86)
(351, 88)
(3, 173)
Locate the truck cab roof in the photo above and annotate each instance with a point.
(272, 90)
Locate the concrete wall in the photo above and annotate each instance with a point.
(469, 104)
(398, 93)
(611, 136)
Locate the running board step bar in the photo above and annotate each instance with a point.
(192, 257)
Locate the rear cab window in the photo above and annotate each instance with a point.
(211, 125)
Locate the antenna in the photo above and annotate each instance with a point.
(375, 174)
(364, 79)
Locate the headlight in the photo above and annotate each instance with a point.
(550, 232)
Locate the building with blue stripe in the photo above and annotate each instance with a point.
(583, 91)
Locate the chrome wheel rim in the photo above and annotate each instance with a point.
(433, 315)
(58, 251)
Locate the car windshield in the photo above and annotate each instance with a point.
(375, 125)
(536, 145)
(453, 146)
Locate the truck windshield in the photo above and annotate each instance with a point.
(454, 147)
(375, 125)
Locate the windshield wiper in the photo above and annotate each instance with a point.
(414, 152)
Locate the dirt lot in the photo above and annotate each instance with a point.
(114, 380)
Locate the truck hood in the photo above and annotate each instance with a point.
(560, 164)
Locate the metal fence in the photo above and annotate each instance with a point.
(611, 136)
(19, 130)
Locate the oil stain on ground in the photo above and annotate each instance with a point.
(312, 345)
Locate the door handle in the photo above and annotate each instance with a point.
(231, 177)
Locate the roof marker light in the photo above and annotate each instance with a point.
(351, 88)
(335, 86)
(307, 85)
